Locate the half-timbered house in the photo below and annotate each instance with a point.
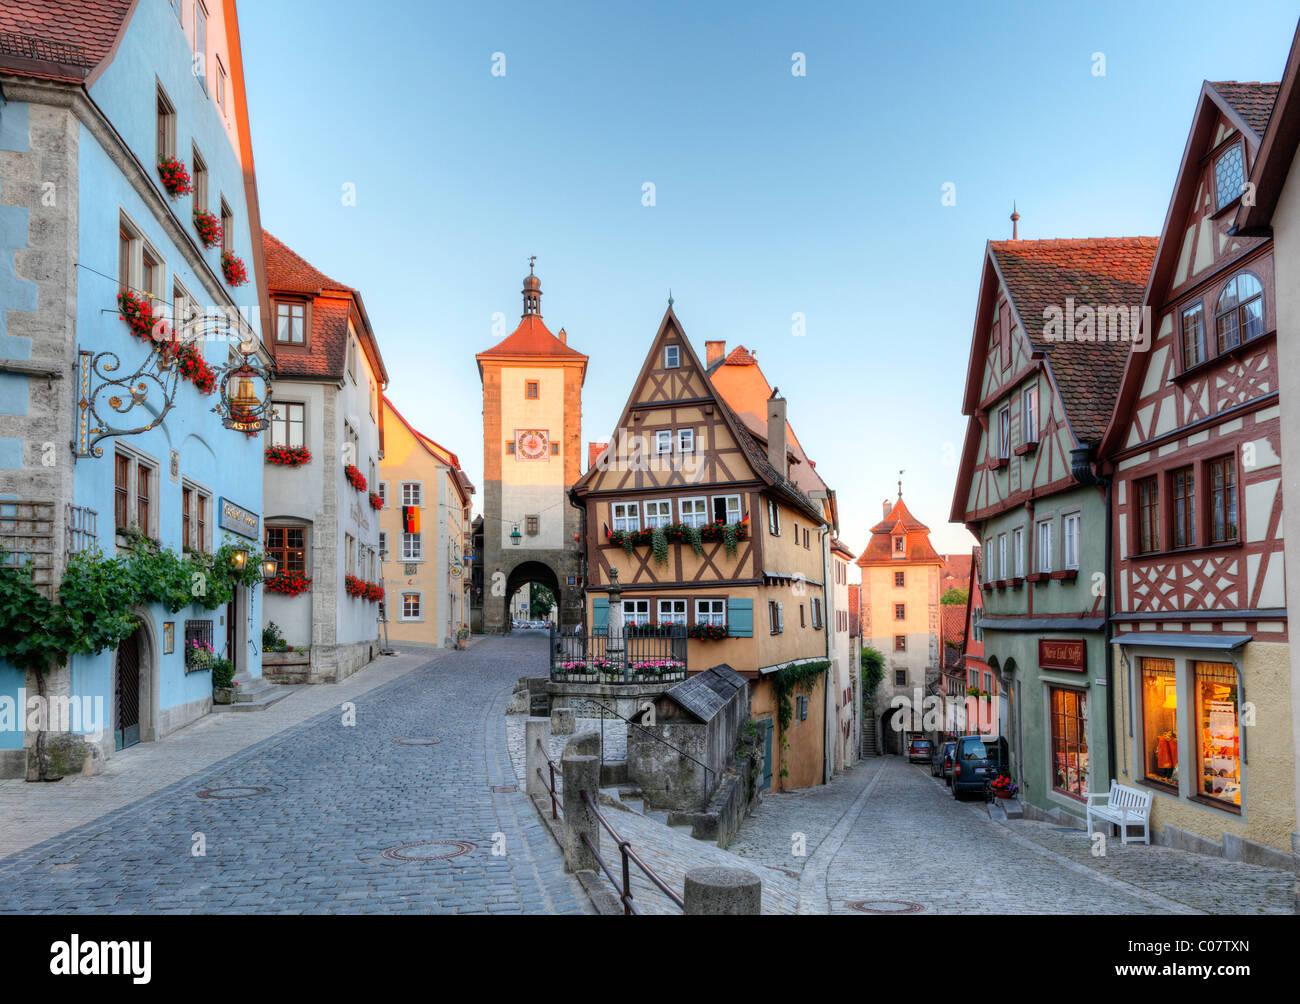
(1045, 366)
(705, 529)
(1201, 665)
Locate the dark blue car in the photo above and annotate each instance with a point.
(976, 760)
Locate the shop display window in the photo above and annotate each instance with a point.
(1070, 741)
(1159, 721)
(1218, 740)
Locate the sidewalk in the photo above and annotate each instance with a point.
(31, 812)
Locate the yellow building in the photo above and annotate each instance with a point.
(706, 531)
(424, 536)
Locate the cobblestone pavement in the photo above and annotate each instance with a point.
(314, 807)
(887, 831)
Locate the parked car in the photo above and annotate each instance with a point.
(976, 761)
(918, 750)
(941, 762)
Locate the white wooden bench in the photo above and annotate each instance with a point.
(1124, 807)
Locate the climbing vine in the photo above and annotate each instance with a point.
(873, 671)
(788, 679)
(659, 544)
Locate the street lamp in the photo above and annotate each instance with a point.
(269, 568)
(239, 559)
(516, 538)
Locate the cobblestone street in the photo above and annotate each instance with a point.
(318, 817)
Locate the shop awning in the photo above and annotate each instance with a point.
(1169, 639)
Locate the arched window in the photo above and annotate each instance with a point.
(1239, 315)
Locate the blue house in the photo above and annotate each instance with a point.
(126, 184)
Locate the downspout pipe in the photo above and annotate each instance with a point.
(582, 550)
(1084, 467)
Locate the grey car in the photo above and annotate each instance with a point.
(941, 764)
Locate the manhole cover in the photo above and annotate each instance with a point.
(245, 791)
(417, 741)
(504, 789)
(885, 906)
(428, 850)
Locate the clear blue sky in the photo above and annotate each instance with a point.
(775, 193)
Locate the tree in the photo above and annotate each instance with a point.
(955, 597)
(873, 671)
(541, 602)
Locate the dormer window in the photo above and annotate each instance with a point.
(900, 546)
(672, 357)
(1229, 176)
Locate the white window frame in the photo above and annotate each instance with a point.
(727, 500)
(413, 493)
(1070, 540)
(629, 519)
(1043, 545)
(773, 518)
(1018, 550)
(412, 546)
(1029, 414)
(669, 615)
(285, 314)
(1002, 556)
(383, 494)
(288, 424)
(672, 357)
(663, 442)
(711, 612)
(1004, 433)
(686, 440)
(655, 514)
(401, 604)
(695, 519)
(634, 611)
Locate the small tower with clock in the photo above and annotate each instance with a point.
(532, 437)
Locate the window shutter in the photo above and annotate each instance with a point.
(740, 618)
(600, 614)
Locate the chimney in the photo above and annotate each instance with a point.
(713, 351)
(885, 507)
(563, 337)
(776, 455)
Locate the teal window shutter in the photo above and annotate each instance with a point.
(740, 618)
(600, 614)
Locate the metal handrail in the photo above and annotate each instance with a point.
(628, 855)
(656, 738)
(551, 786)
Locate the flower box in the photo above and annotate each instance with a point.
(1037, 577)
(1026, 448)
(1066, 574)
(175, 178)
(355, 478)
(707, 632)
(208, 227)
(376, 502)
(288, 456)
(232, 267)
(289, 583)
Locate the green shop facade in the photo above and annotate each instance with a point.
(1027, 489)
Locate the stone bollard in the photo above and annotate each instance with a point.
(581, 773)
(562, 721)
(715, 892)
(536, 730)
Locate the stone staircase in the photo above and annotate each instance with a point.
(257, 695)
(869, 744)
(629, 798)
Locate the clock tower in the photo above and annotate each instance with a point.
(532, 438)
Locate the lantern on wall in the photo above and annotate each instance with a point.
(238, 559)
(516, 537)
(269, 567)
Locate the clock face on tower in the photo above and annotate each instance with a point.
(532, 444)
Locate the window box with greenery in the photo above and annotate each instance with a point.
(175, 178)
(289, 583)
(232, 267)
(208, 227)
(376, 501)
(355, 478)
(288, 456)
(708, 632)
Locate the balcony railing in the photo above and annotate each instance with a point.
(634, 655)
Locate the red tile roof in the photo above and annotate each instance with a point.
(740, 356)
(1252, 100)
(956, 572)
(952, 621)
(532, 338)
(289, 272)
(83, 33)
(1094, 271)
(880, 549)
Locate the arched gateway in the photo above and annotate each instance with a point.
(532, 455)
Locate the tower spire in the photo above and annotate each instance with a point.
(1015, 222)
(532, 291)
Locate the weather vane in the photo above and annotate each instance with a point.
(531, 258)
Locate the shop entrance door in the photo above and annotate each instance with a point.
(126, 696)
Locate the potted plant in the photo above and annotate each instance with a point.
(223, 681)
(288, 456)
(1004, 787)
(376, 501)
(208, 227)
(355, 478)
(462, 636)
(198, 655)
